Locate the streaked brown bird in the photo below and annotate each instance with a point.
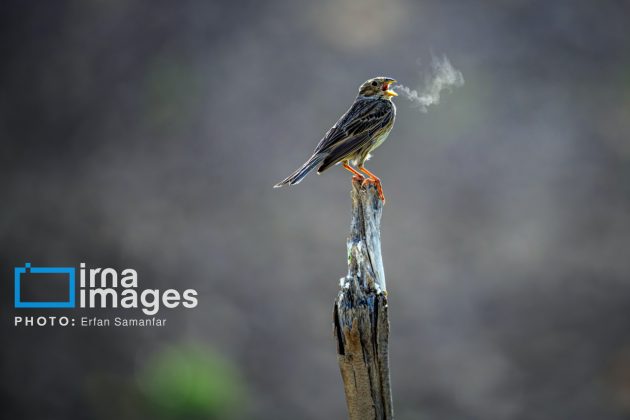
(358, 132)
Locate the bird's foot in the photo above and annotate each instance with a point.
(358, 178)
(377, 184)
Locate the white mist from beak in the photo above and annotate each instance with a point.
(443, 76)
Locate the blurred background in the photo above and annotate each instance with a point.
(148, 134)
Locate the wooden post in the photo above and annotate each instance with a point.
(361, 322)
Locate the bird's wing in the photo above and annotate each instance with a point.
(363, 115)
(344, 150)
(357, 133)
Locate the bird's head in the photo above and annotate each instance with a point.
(378, 87)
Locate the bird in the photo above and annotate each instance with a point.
(363, 128)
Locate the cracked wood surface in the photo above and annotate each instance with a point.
(361, 322)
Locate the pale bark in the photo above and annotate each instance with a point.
(361, 322)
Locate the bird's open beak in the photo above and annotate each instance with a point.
(387, 91)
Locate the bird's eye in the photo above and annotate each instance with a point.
(374, 83)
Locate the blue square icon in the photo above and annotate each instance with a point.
(69, 271)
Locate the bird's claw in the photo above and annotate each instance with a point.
(377, 184)
(358, 178)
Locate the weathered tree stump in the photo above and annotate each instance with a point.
(361, 322)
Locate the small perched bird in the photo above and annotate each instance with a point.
(358, 132)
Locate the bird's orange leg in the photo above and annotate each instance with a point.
(357, 175)
(375, 179)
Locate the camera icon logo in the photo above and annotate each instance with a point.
(19, 272)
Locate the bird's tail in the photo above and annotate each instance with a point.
(298, 175)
